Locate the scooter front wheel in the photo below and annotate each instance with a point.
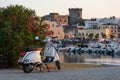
(27, 68)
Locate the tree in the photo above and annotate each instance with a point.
(97, 36)
(18, 28)
(90, 35)
(112, 36)
(103, 35)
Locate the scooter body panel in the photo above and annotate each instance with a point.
(51, 52)
(31, 57)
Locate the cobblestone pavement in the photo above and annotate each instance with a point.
(107, 73)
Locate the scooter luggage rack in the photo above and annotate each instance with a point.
(32, 49)
(38, 49)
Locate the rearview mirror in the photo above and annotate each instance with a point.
(37, 37)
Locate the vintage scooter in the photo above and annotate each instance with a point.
(30, 59)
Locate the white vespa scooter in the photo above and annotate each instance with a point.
(31, 59)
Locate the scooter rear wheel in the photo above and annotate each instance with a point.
(27, 68)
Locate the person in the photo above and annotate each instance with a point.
(51, 53)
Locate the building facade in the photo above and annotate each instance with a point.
(57, 29)
(102, 26)
(70, 31)
(114, 30)
(101, 31)
(93, 33)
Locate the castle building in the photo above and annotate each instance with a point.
(59, 19)
(75, 15)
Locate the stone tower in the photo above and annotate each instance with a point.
(75, 15)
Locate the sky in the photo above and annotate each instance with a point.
(91, 8)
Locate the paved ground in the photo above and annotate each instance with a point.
(104, 60)
(108, 73)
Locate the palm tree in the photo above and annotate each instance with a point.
(90, 35)
(97, 36)
(112, 36)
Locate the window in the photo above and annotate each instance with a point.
(60, 20)
(106, 27)
(79, 33)
(65, 20)
(86, 34)
(53, 25)
(58, 33)
(83, 34)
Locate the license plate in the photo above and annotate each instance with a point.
(26, 60)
